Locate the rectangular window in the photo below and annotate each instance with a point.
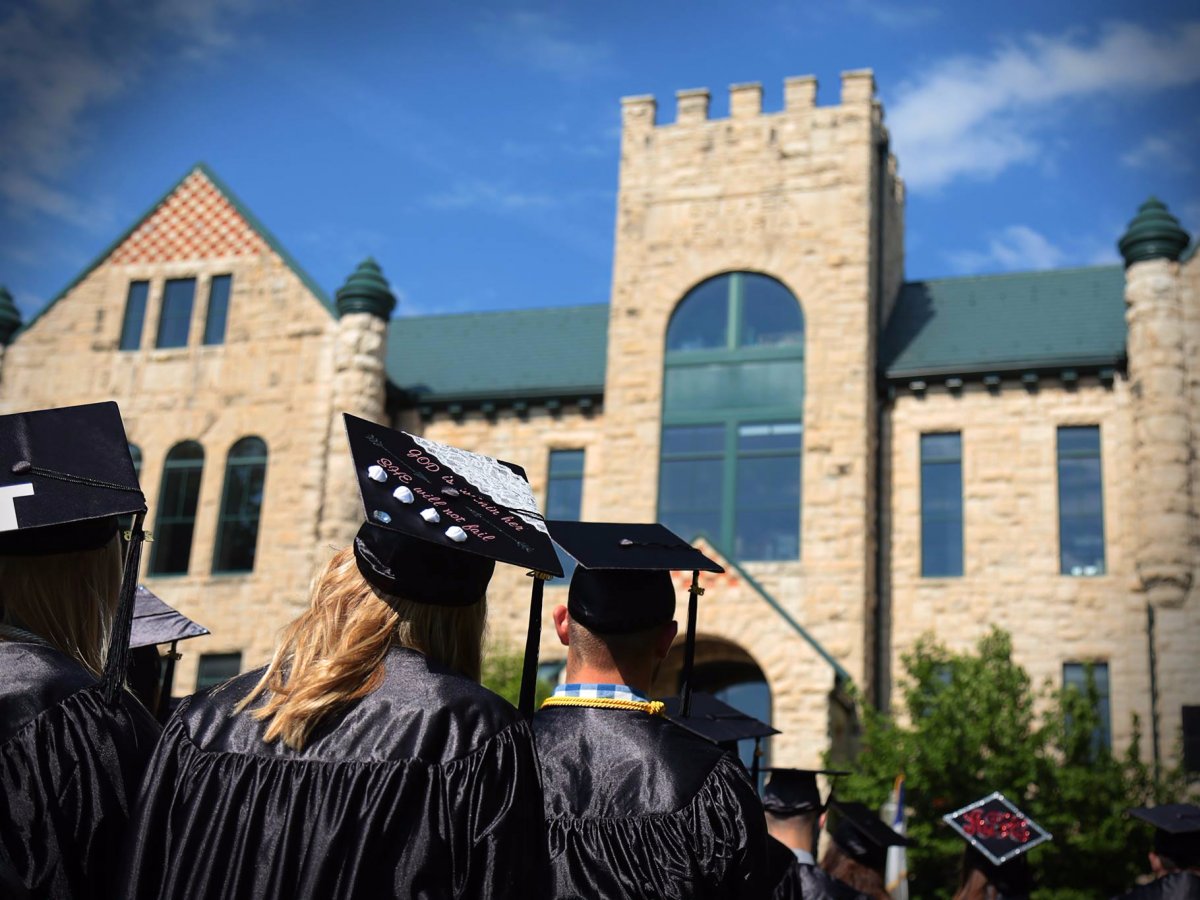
(216, 668)
(1075, 675)
(135, 315)
(564, 497)
(176, 316)
(767, 492)
(941, 505)
(1080, 502)
(690, 480)
(218, 309)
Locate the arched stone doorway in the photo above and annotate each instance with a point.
(728, 672)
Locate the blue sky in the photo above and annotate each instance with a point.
(472, 148)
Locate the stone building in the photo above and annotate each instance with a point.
(871, 459)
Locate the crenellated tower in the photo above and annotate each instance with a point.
(808, 195)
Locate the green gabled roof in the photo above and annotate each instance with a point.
(525, 353)
(251, 219)
(1068, 318)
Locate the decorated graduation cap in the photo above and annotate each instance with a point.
(65, 477)
(718, 722)
(623, 580)
(794, 792)
(862, 835)
(1176, 831)
(439, 518)
(996, 828)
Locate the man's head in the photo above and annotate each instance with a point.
(617, 621)
(793, 805)
(1176, 836)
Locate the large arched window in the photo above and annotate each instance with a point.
(733, 406)
(176, 521)
(241, 506)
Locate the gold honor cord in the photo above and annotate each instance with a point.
(650, 707)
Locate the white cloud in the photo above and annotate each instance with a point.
(61, 60)
(974, 116)
(1158, 152)
(477, 194)
(1015, 248)
(893, 15)
(542, 42)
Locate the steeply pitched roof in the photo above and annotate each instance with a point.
(1069, 318)
(242, 210)
(526, 353)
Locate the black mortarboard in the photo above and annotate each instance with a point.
(996, 828)
(613, 558)
(793, 792)
(863, 836)
(716, 721)
(1176, 831)
(65, 477)
(154, 622)
(440, 518)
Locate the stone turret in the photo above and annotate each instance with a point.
(364, 305)
(10, 321)
(1158, 379)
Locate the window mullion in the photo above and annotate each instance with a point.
(733, 337)
(729, 486)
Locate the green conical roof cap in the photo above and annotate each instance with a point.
(366, 291)
(10, 316)
(1153, 234)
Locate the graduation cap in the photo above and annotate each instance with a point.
(718, 722)
(439, 518)
(65, 477)
(794, 792)
(1176, 831)
(996, 828)
(155, 622)
(863, 835)
(623, 582)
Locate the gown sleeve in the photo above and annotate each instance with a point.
(68, 778)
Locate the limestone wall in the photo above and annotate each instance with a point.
(270, 378)
(1010, 535)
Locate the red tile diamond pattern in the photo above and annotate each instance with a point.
(195, 222)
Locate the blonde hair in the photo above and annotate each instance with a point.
(333, 653)
(67, 599)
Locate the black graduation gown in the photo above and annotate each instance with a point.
(638, 807)
(794, 879)
(427, 787)
(70, 766)
(1175, 886)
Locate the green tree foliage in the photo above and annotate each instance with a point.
(972, 729)
(502, 674)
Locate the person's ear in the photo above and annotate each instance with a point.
(562, 622)
(666, 638)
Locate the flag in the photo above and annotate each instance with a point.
(896, 874)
